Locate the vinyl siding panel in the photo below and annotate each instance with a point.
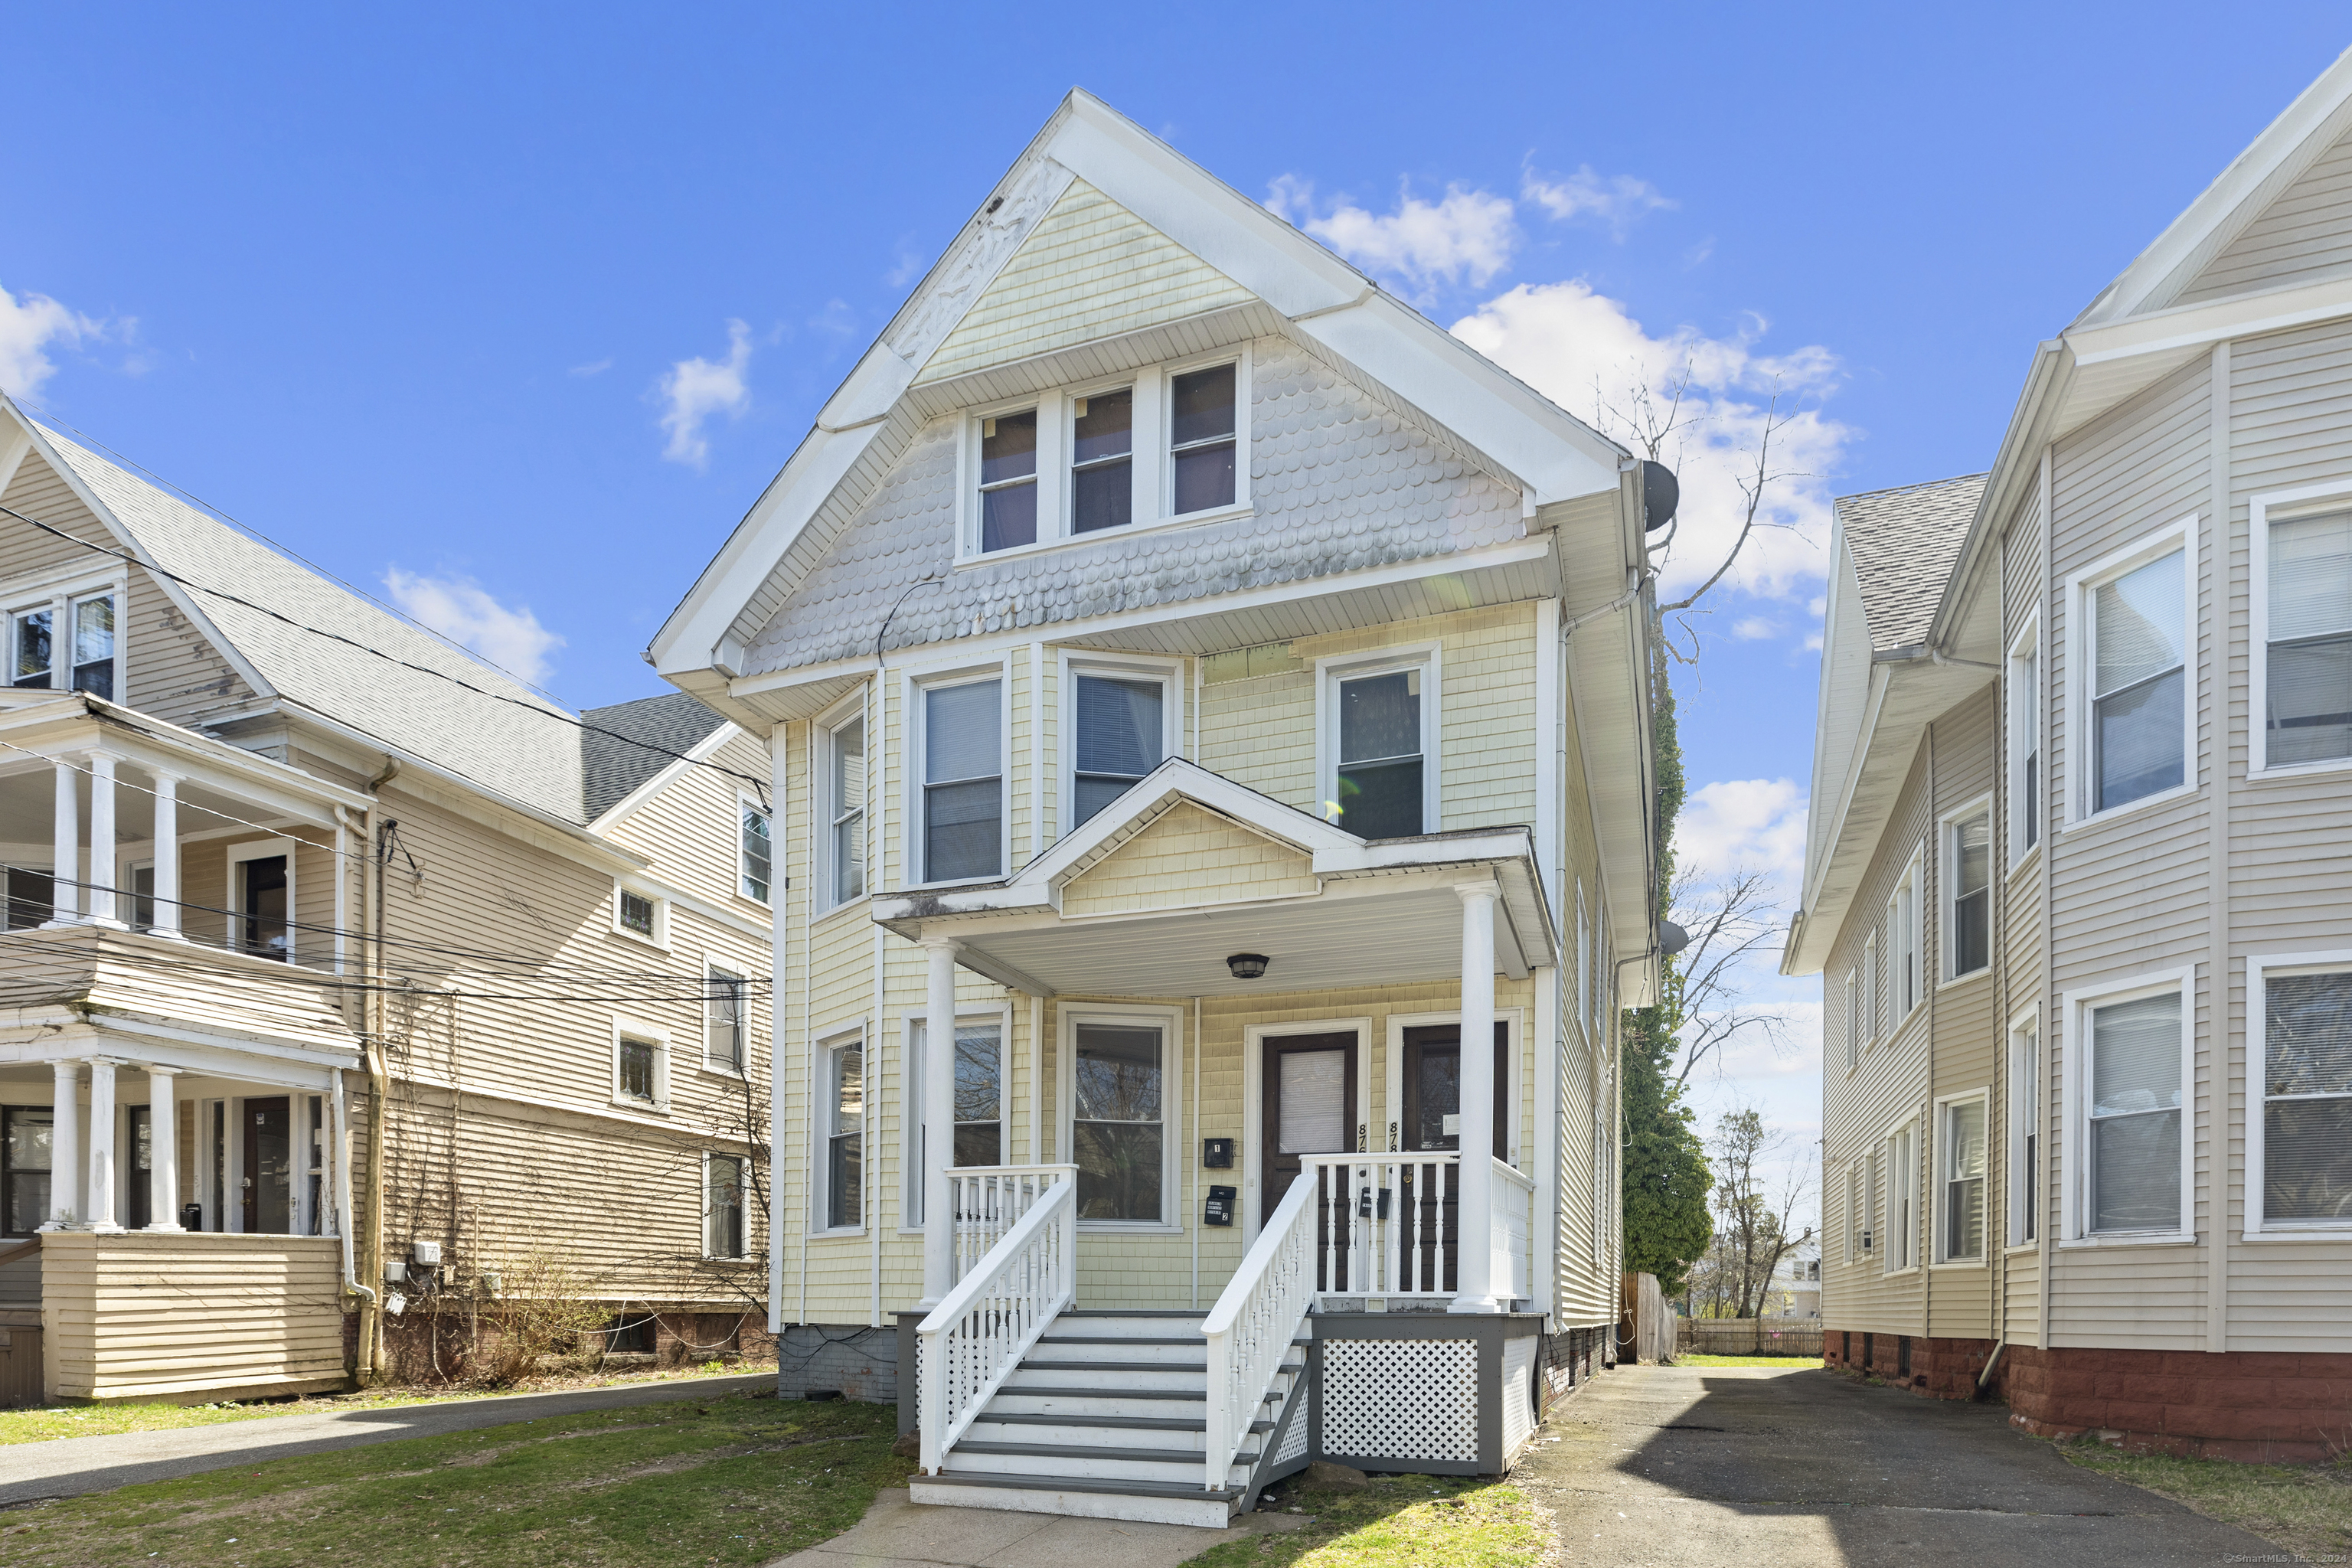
(2304, 236)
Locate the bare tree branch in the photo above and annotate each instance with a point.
(1731, 918)
(1753, 487)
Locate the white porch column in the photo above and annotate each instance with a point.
(65, 1143)
(1475, 1249)
(939, 1117)
(167, 856)
(101, 904)
(163, 1148)
(102, 1143)
(65, 865)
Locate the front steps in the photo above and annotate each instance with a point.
(1105, 1419)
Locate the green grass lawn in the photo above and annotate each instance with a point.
(98, 1420)
(2304, 1508)
(1398, 1521)
(1784, 1363)
(730, 1478)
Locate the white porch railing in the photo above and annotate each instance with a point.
(988, 1200)
(1384, 1222)
(1514, 1232)
(975, 1338)
(1251, 1327)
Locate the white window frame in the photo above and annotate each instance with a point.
(1857, 1217)
(1871, 983)
(745, 801)
(911, 1102)
(818, 1123)
(1873, 1193)
(33, 594)
(2022, 1180)
(1899, 1152)
(1069, 668)
(1175, 1218)
(1906, 928)
(828, 810)
(2074, 1049)
(1331, 672)
(1583, 964)
(1853, 1022)
(660, 939)
(2260, 970)
(2082, 748)
(2262, 511)
(711, 970)
(238, 854)
(1940, 1166)
(643, 1033)
(1947, 893)
(1153, 471)
(917, 731)
(2024, 716)
(711, 1158)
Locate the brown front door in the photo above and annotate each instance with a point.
(268, 1167)
(1310, 1108)
(1432, 1120)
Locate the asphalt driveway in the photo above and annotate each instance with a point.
(1761, 1469)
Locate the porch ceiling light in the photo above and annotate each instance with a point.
(1247, 966)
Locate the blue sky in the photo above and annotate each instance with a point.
(413, 292)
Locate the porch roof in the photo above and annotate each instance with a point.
(1327, 908)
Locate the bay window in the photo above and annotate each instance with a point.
(2307, 647)
(2024, 1134)
(2025, 742)
(2133, 1115)
(2307, 1113)
(2139, 692)
(844, 811)
(1961, 1226)
(1967, 883)
(841, 1133)
(963, 824)
(1122, 736)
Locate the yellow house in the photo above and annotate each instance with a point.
(1221, 693)
(351, 990)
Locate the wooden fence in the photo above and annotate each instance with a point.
(1750, 1336)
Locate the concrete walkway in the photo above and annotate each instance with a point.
(899, 1533)
(1713, 1464)
(70, 1466)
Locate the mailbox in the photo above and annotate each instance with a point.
(1217, 1153)
(1219, 1209)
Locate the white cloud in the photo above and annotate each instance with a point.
(459, 609)
(1580, 348)
(29, 327)
(1755, 628)
(1743, 824)
(695, 389)
(597, 368)
(1617, 201)
(1465, 235)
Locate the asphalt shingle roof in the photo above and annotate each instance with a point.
(1904, 541)
(611, 768)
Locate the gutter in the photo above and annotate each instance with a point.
(379, 1082)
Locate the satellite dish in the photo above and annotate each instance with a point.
(1661, 494)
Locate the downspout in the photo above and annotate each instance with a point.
(378, 1084)
(342, 1131)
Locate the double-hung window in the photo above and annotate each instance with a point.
(1900, 1250)
(1102, 460)
(757, 862)
(845, 810)
(32, 647)
(725, 1178)
(2025, 743)
(2139, 692)
(1119, 1135)
(82, 659)
(1202, 430)
(963, 781)
(1870, 990)
(2024, 1134)
(724, 1027)
(637, 1075)
(1967, 892)
(1008, 481)
(1856, 1222)
(841, 1127)
(2307, 652)
(1961, 1219)
(26, 1153)
(2134, 1114)
(2306, 1132)
(979, 1093)
(1902, 933)
(1853, 1020)
(1379, 729)
(1122, 736)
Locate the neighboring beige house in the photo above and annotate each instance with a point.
(1221, 692)
(2080, 877)
(303, 905)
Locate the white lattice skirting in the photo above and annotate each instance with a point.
(1400, 1399)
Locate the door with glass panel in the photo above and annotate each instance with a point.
(1433, 1122)
(269, 1179)
(1118, 1120)
(1309, 1107)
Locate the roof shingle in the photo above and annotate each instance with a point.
(1904, 543)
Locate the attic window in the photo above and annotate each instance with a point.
(83, 661)
(1008, 481)
(1201, 439)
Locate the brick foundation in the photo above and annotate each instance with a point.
(2246, 1404)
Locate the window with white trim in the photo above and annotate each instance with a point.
(1102, 460)
(1903, 934)
(1853, 1021)
(262, 884)
(84, 660)
(1120, 1115)
(962, 834)
(2139, 630)
(842, 811)
(2024, 1134)
(840, 1103)
(755, 867)
(640, 913)
(1204, 428)
(2134, 1114)
(2025, 742)
(1380, 721)
(1856, 1221)
(640, 1067)
(726, 1015)
(2306, 1135)
(979, 1100)
(1008, 481)
(1961, 1166)
(725, 1180)
(2307, 652)
(1870, 990)
(1583, 963)
(1121, 728)
(1874, 1198)
(1900, 1250)
(1967, 893)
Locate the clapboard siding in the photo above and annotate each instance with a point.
(2304, 236)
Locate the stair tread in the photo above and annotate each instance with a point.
(1131, 1313)
(1125, 1340)
(1088, 1451)
(1036, 1390)
(1033, 1366)
(1182, 1490)
(1144, 1423)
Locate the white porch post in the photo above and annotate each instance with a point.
(64, 1142)
(1475, 1249)
(101, 904)
(102, 1143)
(939, 1117)
(163, 1148)
(167, 856)
(65, 866)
